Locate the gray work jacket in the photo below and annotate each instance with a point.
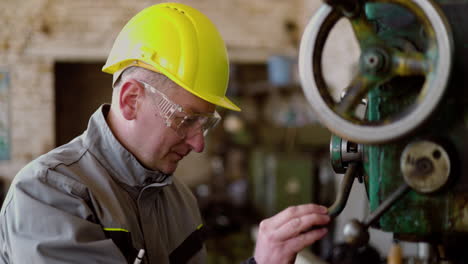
(91, 201)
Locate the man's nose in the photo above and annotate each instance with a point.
(197, 142)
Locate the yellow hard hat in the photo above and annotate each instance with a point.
(180, 42)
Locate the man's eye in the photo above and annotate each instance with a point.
(189, 121)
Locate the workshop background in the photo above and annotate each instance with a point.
(271, 155)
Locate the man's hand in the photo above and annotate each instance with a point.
(282, 236)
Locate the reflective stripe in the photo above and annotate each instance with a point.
(122, 238)
(115, 229)
(189, 247)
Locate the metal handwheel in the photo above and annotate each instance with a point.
(379, 63)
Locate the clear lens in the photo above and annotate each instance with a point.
(175, 117)
(191, 125)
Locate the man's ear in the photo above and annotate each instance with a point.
(129, 99)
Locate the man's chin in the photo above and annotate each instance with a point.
(169, 168)
(168, 164)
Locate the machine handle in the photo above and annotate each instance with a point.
(342, 198)
(345, 188)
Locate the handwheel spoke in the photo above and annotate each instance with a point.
(409, 63)
(355, 92)
(363, 30)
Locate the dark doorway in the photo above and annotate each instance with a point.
(80, 88)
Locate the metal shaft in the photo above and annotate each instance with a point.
(383, 207)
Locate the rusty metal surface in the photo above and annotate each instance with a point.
(444, 213)
(405, 64)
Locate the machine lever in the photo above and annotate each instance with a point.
(386, 204)
(356, 233)
(345, 188)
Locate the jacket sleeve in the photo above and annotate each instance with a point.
(46, 219)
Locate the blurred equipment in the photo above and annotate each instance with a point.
(280, 70)
(410, 148)
(5, 115)
(347, 254)
(3, 191)
(280, 180)
(395, 254)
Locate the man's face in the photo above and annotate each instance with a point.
(158, 146)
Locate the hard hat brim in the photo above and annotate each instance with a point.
(216, 100)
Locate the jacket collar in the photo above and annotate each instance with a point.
(122, 165)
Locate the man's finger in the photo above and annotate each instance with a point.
(300, 224)
(295, 211)
(298, 243)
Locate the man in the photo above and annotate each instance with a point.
(108, 196)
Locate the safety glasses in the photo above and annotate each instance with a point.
(184, 124)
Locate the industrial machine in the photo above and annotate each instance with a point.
(410, 147)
